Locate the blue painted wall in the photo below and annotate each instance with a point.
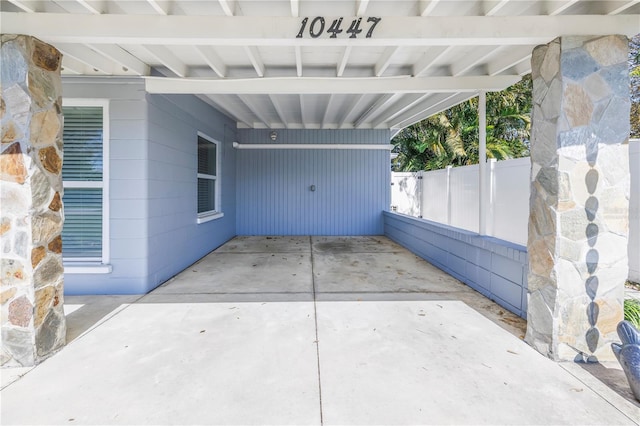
(175, 239)
(153, 211)
(273, 186)
(493, 267)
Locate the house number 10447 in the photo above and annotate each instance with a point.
(318, 26)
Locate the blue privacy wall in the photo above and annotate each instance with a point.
(274, 195)
(152, 205)
(493, 267)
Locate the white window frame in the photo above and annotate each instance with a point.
(94, 265)
(216, 213)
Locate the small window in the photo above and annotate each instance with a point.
(85, 181)
(208, 178)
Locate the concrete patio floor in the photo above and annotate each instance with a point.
(300, 330)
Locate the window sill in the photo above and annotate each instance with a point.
(87, 268)
(209, 217)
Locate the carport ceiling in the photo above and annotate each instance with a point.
(277, 64)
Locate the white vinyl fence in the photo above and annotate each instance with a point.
(450, 196)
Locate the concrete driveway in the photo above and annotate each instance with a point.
(300, 330)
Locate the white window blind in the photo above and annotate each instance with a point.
(208, 183)
(83, 180)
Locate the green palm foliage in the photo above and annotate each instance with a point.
(451, 137)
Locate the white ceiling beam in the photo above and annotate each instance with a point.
(255, 111)
(406, 102)
(168, 59)
(277, 31)
(351, 108)
(22, 6)
(87, 56)
(279, 110)
(122, 57)
(90, 7)
(298, 52)
(433, 105)
(212, 59)
(231, 111)
(523, 68)
(227, 6)
(328, 110)
(566, 5)
(496, 8)
(303, 112)
(429, 59)
(295, 8)
(343, 61)
(158, 8)
(477, 56)
(69, 64)
(376, 108)
(329, 85)
(507, 60)
(256, 61)
(426, 7)
(624, 7)
(385, 60)
(361, 7)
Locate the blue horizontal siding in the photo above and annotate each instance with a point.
(493, 267)
(274, 186)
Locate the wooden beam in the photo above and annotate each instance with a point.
(624, 7)
(168, 59)
(158, 8)
(429, 59)
(427, 7)
(122, 57)
(22, 6)
(227, 6)
(566, 5)
(279, 110)
(495, 9)
(343, 62)
(298, 52)
(255, 111)
(277, 31)
(361, 7)
(213, 60)
(87, 56)
(256, 61)
(385, 60)
(329, 85)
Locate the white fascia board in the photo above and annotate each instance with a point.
(328, 85)
(281, 31)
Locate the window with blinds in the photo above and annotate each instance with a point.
(208, 182)
(83, 180)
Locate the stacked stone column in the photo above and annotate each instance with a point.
(31, 286)
(579, 204)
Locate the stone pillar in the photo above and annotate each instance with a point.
(579, 204)
(33, 322)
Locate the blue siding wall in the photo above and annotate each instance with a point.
(175, 239)
(128, 188)
(273, 186)
(493, 267)
(153, 209)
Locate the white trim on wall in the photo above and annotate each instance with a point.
(217, 212)
(95, 265)
(237, 145)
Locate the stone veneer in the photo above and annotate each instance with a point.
(578, 220)
(31, 281)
